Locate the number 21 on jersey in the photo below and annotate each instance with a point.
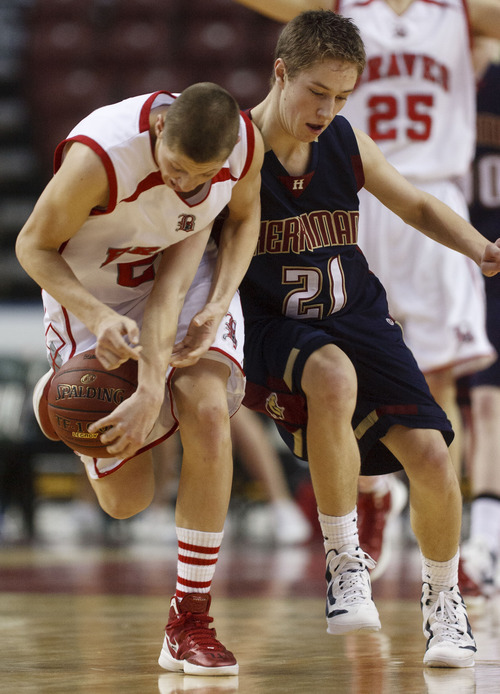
(300, 303)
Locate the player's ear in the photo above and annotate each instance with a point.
(280, 71)
(159, 124)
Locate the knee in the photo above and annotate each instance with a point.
(485, 403)
(206, 411)
(122, 508)
(329, 380)
(204, 424)
(129, 490)
(434, 466)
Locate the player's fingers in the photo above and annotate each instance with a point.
(178, 349)
(132, 333)
(108, 355)
(190, 355)
(204, 316)
(113, 358)
(104, 423)
(109, 363)
(124, 445)
(128, 352)
(181, 362)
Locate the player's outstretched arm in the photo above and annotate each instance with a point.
(422, 210)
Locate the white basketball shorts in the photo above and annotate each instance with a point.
(64, 331)
(435, 293)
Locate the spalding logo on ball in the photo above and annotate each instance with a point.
(82, 392)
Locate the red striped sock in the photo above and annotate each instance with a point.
(196, 560)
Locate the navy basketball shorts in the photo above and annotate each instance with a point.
(391, 387)
(491, 375)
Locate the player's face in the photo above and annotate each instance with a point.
(179, 172)
(312, 99)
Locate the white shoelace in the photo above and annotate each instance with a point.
(449, 622)
(349, 571)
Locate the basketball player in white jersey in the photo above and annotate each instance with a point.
(416, 99)
(118, 242)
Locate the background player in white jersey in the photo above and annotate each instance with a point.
(416, 99)
(118, 242)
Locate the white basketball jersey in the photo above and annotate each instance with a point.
(416, 97)
(115, 252)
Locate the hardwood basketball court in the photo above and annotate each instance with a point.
(88, 618)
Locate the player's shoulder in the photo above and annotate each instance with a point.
(340, 132)
(247, 154)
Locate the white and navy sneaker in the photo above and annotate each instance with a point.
(349, 604)
(450, 642)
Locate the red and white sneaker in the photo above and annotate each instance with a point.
(477, 564)
(190, 645)
(469, 589)
(376, 515)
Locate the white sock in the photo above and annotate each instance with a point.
(196, 560)
(339, 531)
(440, 575)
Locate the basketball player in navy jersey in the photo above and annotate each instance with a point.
(416, 99)
(480, 553)
(323, 356)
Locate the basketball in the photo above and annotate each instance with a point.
(83, 391)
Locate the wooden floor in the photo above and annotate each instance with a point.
(80, 617)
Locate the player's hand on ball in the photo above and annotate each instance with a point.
(117, 341)
(128, 426)
(83, 391)
(199, 337)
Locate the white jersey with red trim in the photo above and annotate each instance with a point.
(416, 97)
(115, 251)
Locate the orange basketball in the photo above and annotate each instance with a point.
(83, 391)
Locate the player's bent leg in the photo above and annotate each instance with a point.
(128, 490)
(200, 394)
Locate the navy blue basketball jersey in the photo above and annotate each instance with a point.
(485, 204)
(308, 286)
(307, 264)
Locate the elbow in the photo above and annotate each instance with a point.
(21, 251)
(25, 251)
